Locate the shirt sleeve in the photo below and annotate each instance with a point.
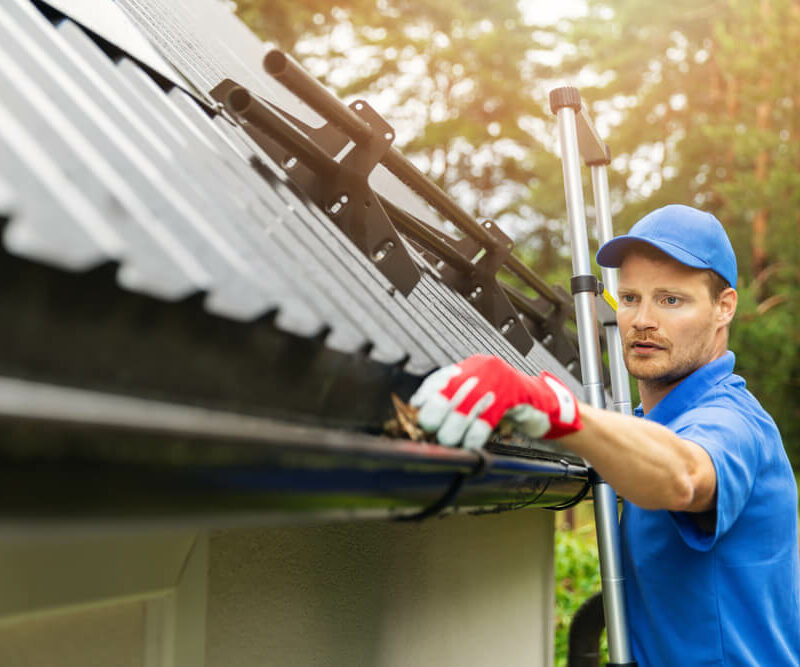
(733, 445)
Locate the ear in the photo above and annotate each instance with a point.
(726, 305)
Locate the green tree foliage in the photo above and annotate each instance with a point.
(706, 103)
(463, 75)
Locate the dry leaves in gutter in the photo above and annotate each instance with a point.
(404, 423)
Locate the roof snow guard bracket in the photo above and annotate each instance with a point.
(312, 158)
(481, 289)
(340, 187)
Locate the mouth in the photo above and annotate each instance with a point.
(645, 347)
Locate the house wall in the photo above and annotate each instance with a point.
(459, 591)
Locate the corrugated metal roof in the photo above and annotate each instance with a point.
(100, 162)
(151, 249)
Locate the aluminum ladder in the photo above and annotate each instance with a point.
(578, 139)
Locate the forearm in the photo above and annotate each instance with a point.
(645, 462)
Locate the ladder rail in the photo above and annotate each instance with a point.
(577, 136)
(620, 384)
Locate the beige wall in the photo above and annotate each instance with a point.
(459, 591)
(78, 597)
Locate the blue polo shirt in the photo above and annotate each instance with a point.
(731, 596)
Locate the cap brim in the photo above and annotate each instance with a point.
(613, 252)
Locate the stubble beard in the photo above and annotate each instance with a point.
(658, 379)
(658, 376)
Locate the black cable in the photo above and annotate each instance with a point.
(451, 494)
(572, 501)
(509, 507)
(434, 509)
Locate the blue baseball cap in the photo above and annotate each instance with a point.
(692, 237)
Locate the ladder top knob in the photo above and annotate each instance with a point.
(566, 96)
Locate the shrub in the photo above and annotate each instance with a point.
(577, 578)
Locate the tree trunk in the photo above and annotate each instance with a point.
(763, 113)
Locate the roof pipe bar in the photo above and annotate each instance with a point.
(312, 92)
(418, 230)
(286, 70)
(532, 279)
(241, 104)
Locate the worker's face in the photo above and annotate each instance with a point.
(669, 324)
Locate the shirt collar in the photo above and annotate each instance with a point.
(690, 389)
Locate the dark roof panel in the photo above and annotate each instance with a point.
(113, 24)
(105, 163)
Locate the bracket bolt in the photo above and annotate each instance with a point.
(475, 293)
(510, 322)
(382, 250)
(338, 204)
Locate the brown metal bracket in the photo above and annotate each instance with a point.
(482, 289)
(340, 186)
(332, 164)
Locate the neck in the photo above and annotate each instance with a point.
(651, 392)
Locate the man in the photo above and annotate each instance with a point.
(709, 525)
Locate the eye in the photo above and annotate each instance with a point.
(627, 298)
(671, 300)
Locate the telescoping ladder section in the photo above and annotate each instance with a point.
(578, 138)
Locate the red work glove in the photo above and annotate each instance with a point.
(464, 402)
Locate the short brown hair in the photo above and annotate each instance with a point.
(716, 284)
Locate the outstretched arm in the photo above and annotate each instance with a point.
(645, 462)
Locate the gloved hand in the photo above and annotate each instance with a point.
(464, 402)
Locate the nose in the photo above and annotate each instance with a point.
(644, 317)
